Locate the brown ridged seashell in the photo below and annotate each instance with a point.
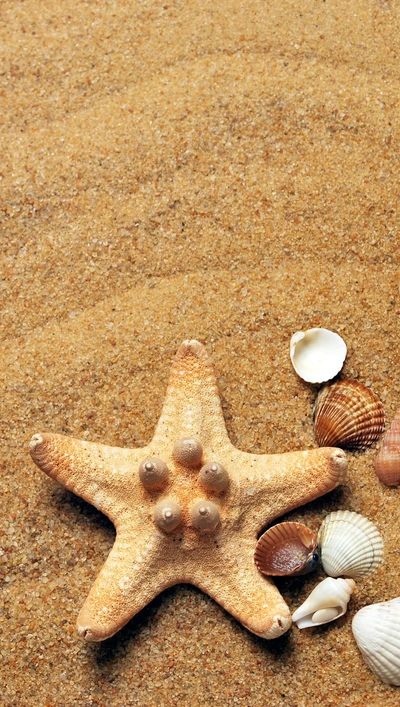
(348, 414)
(286, 549)
(387, 463)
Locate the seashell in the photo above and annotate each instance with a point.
(348, 414)
(287, 549)
(327, 602)
(317, 355)
(387, 463)
(349, 544)
(376, 629)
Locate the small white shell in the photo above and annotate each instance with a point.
(376, 629)
(317, 355)
(327, 602)
(349, 545)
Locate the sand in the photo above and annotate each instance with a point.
(221, 171)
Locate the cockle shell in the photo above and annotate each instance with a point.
(387, 463)
(348, 414)
(376, 629)
(327, 602)
(349, 544)
(317, 355)
(286, 549)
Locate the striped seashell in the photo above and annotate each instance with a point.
(348, 414)
(376, 629)
(327, 602)
(387, 463)
(287, 549)
(349, 544)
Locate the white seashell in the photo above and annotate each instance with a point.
(317, 355)
(326, 603)
(376, 629)
(349, 544)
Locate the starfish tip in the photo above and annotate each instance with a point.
(191, 347)
(273, 626)
(36, 441)
(339, 464)
(280, 624)
(86, 633)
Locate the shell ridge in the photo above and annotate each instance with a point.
(286, 549)
(349, 544)
(376, 629)
(387, 462)
(348, 414)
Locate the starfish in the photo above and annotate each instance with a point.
(188, 507)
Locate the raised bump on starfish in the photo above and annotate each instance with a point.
(214, 477)
(205, 516)
(145, 559)
(188, 452)
(153, 473)
(168, 514)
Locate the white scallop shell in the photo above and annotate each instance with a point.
(349, 545)
(327, 602)
(317, 355)
(376, 629)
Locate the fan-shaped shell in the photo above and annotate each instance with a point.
(376, 629)
(286, 549)
(327, 602)
(349, 545)
(387, 463)
(348, 414)
(317, 354)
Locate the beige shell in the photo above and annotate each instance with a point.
(349, 545)
(286, 549)
(387, 463)
(327, 602)
(317, 354)
(348, 414)
(376, 629)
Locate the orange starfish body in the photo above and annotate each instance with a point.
(188, 506)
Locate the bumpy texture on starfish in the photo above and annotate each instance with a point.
(187, 507)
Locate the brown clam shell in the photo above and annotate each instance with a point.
(348, 414)
(387, 463)
(286, 549)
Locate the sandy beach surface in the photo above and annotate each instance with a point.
(221, 171)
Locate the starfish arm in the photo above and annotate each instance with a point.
(131, 577)
(192, 406)
(273, 484)
(236, 584)
(104, 476)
